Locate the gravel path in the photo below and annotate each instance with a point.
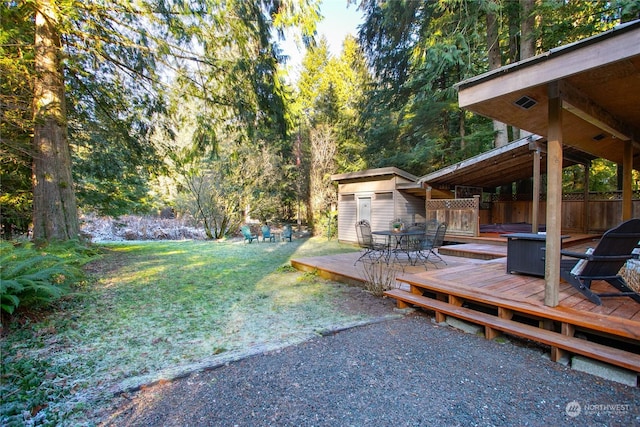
(406, 372)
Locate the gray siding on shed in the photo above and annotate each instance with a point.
(347, 217)
(382, 210)
(387, 201)
(385, 207)
(410, 208)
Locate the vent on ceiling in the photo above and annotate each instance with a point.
(599, 137)
(526, 102)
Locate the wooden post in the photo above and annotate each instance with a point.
(627, 193)
(476, 215)
(535, 203)
(586, 217)
(554, 197)
(426, 202)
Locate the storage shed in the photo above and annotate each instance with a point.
(379, 196)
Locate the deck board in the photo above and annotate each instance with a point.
(488, 281)
(489, 277)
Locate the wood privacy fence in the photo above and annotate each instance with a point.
(461, 215)
(599, 213)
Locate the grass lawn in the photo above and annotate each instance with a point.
(159, 309)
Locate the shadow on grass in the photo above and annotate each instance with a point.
(158, 309)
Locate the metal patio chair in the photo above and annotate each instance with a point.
(369, 246)
(430, 243)
(409, 245)
(431, 226)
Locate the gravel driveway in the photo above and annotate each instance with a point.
(405, 372)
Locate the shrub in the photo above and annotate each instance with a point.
(378, 276)
(34, 277)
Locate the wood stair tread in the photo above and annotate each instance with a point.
(615, 356)
(604, 323)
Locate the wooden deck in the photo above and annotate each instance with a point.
(498, 239)
(482, 292)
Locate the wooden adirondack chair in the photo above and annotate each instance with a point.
(287, 233)
(604, 262)
(267, 234)
(248, 236)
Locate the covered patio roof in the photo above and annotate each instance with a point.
(500, 166)
(599, 82)
(583, 95)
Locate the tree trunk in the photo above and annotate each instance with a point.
(527, 27)
(55, 215)
(495, 61)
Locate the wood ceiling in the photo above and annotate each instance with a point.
(500, 166)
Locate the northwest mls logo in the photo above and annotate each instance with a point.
(573, 409)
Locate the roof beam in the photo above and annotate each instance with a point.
(579, 104)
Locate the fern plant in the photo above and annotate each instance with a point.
(30, 277)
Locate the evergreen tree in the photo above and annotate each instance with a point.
(98, 71)
(420, 50)
(331, 91)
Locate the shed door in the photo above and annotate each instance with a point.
(364, 208)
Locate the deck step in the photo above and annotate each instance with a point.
(474, 251)
(616, 327)
(614, 356)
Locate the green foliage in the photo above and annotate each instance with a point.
(118, 58)
(110, 181)
(331, 91)
(16, 57)
(566, 22)
(573, 179)
(228, 104)
(419, 50)
(603, 176)
(34, 277)
(231, 157)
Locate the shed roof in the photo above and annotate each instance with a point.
(369, 174)
(500, 166)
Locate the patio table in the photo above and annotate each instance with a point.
(399, 246)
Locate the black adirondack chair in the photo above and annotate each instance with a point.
(612, 252)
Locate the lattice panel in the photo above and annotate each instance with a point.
(461, 215)
(605, 195)
(455, 204)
